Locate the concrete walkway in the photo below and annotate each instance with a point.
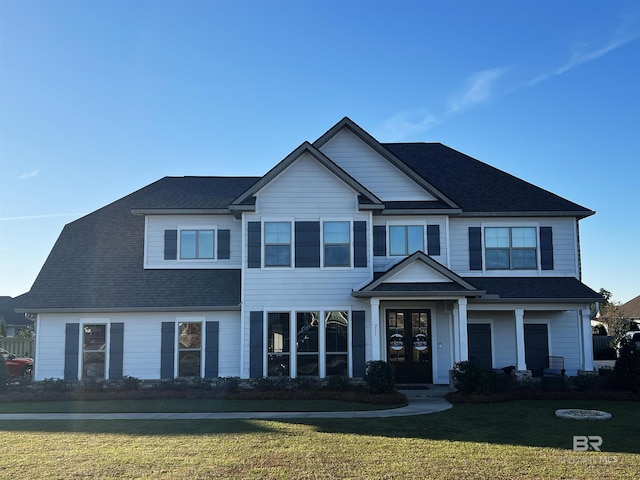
(420, 402)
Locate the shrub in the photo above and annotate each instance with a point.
(468, 377)
(272, 384)
(338, 383)
(380, 377)
(4, 375)
(228, 384)
(627, 368)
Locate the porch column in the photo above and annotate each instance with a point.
(462, 329)
(521, 363)
(587, 340)
(375, 329)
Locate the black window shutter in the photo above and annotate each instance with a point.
(224, 244)
(255, 345)
(71, 350)
(307, 250)
(433, 239)
(360, 244)
(254, 244)
(167, 349)
(211, 350)
(170, 244)
(116, 350)
(475, 248)
(358, 343)
(379, 240)
(546, 248)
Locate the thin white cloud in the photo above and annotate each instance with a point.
(479, 89)
(30, 174)
(32, 217)
(482, 86)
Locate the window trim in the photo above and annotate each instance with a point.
(197, 229)
(106, 323)
(422, 225)
(510, 227)
(291, 243)
(323, 244)
(322, 347)
(203, 339)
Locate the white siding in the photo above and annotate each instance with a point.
(372, 170)
(382, 263)
(154, 239)
(306, 187)
(441, 329)
(418, 272)
(564, 336)
(564, 246)
(141, 342)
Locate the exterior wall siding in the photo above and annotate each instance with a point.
(154, 241)
(142, 336)
(564, 246)
(374, 172)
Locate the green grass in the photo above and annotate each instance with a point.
(186, 405)
(508, 440)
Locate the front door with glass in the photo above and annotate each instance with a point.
(409, 345)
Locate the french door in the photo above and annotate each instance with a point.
(409, 345)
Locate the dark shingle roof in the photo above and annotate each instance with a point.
(97, 262)
(538, 288)
(476, 186)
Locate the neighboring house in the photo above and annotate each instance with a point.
(13, 322)
(347, 251)
(631, 310)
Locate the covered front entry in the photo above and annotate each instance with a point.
(409, 345)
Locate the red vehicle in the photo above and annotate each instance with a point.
(18, 367)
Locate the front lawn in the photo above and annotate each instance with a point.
(521, 439)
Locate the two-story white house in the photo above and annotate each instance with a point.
(348, 250)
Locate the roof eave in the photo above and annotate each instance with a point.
(449, 295)
(192, 308)
(533, 213)
(181, 211)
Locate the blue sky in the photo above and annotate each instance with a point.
(100, 98)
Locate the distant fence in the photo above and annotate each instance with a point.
(602, 349)
(21, 347)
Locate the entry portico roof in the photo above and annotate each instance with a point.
(405, 279)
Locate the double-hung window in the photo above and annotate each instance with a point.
(93, 351)
(405, 239)
(197, 244)
(337, 343)
(510, 248)
(307, 343)
(189, 349)
(337, 244)
(278, 344)
(277, 244)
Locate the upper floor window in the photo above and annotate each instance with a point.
(197, 244)
(510, 248)
(405, 239)
(277, 244)
(337, 246)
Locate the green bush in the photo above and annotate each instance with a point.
(627, 368)
(468, 377)
(4, 376)
(228, 384)
(338, 383)
(380, 377)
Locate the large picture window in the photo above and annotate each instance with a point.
(337, 244)
(94, 351)
(197, 244)
(189, 349)
(278, 344)
(405, 239)
(277, 244)
(510, 248)
(307, 324)
(337, 343)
